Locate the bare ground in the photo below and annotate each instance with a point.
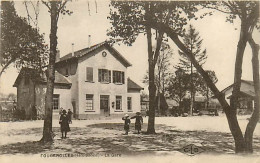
(108, 138)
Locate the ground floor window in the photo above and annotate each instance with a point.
(118, 102)
(129, 103)
(55, 101)
(89, 102)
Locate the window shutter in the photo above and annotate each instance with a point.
(89, 73)
(99, 75)
(109, 76)
(123, 77)
(114, 77)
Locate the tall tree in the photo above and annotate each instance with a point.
(248, 13)
(127, 19)
(241, 144)
(193, 42)
(162, 72)
(55, 9)
(21, 44)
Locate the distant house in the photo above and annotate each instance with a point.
(92, 82)
(246, 95)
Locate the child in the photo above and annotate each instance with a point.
(138, 122)
(127, 123)
(70, 116)
(64, 124)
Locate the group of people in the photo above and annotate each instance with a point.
(65, 120)
(138, 122)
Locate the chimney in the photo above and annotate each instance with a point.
(57, 56)
(72, 49)
(89, 40)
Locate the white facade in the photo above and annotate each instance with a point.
(97, 88)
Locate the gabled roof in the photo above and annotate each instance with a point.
(131, 85)
(87, 51)
(41, 77)
(242, 81)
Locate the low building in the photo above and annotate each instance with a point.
(246, 96)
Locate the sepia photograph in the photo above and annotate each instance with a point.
(129, 81)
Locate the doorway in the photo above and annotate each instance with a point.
(104, 105)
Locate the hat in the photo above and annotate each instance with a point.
(64, 111)
(126, 115)
(138, 113)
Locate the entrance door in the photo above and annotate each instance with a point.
(104, 105)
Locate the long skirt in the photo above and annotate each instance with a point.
(138, 126)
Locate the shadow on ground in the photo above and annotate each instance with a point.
(109, 138)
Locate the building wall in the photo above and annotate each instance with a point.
(136, 101)
(244, 87)
(64, 98)
(25, 96)
(72, 76)
(97, 61)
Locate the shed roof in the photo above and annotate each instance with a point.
(40, 78)
(131, 85)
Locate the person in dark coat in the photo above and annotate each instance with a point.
(64, 123)
(138, 121)
(70, 116)
(127, 123)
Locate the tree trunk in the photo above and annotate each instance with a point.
(191, 90)
(47, 128)
(234, 102)
(255, 116)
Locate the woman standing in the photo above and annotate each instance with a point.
(138, 121)
(64, 124)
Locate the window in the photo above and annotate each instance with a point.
(118, 77)
(89, 74)
(67, 72)
(129, 103)
(104, 75)
(55, 101)
(118, 102)
(89, 102)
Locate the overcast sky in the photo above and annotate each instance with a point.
(220, 40)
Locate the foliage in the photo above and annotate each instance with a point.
(179, 85)
(20, 43)
(237, 9)
(193, 42)
(162, 71)
(128, 18)
(203, 88)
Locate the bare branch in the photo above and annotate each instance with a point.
(46, 4)
(62, 5)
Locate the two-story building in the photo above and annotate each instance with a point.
(92, 82)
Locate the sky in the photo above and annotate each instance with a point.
(220, 38)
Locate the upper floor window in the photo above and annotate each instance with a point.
(89, 74)
(118, 77)
(104, 75)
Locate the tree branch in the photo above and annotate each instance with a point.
(158, 47)
(46, 4)
(6, 65)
